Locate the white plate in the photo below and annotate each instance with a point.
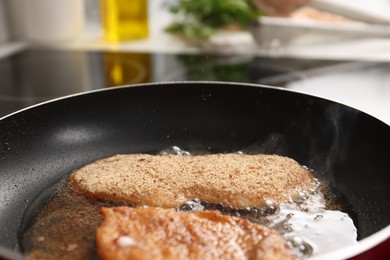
(373, 11)
(288, 31)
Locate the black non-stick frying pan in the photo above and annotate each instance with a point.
(348, 148)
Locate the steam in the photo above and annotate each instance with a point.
(275, 143)
(338, 125)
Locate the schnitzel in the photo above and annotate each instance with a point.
(235, 180)
(156, 233)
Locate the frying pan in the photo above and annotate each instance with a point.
(346, 147)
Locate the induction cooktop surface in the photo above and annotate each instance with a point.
(35, 75)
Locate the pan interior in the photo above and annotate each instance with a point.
(344, 146)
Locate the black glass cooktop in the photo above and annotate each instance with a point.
(36, 75)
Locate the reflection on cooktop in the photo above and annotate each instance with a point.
(37, 75)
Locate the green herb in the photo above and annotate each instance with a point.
(199, 19)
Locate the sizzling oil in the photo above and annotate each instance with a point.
(65, 227)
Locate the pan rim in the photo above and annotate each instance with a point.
(164, 83)
(167, 83)
(342, 253)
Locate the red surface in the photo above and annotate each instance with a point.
(380, 252)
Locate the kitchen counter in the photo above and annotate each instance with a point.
(312, 43)
(372, 49)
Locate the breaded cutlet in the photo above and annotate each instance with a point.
(235, 180)
(156, 233)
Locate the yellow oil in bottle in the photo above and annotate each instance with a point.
(124, 20)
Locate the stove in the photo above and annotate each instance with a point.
(35, 75)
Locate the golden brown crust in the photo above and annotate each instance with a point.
(168, 181)
(156, 233)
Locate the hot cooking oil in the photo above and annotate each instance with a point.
(124, 20)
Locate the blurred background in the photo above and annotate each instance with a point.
(339, 50)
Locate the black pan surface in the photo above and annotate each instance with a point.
(347, 147)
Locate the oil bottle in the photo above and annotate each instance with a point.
(124, 20)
